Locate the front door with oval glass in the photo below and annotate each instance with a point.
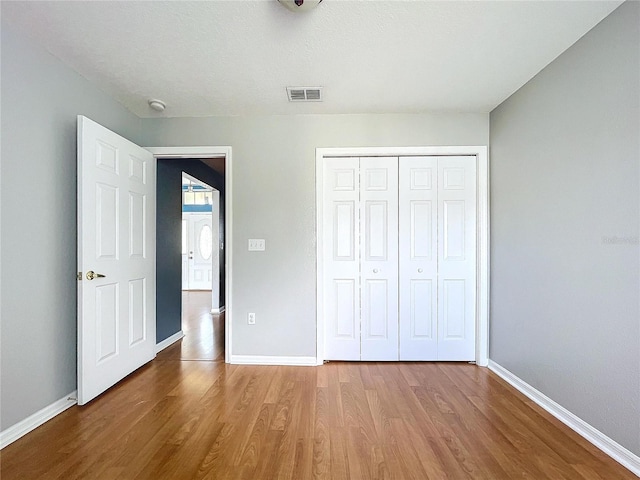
(197, 250)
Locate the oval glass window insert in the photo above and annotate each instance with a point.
(206, 242)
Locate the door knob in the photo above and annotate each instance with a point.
(419, 270)
(375, 270)
(91, 275)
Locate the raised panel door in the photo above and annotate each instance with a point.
(418, 258)
(379, 259)
(456, 258)
(341, 259)
(116, 239)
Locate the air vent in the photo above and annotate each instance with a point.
(304, 94)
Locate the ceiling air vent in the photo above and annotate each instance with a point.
(304, 94)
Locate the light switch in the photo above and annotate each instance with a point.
(257, 244)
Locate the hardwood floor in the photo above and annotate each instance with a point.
(203, 332)
(177, 418)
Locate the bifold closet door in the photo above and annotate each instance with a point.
(437, 258)
(379, 258)
(456, 258)
(341, 258)
(418, 258)
(399, 258)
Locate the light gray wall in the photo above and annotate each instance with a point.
(274, 198)
(565, 159)
(40, 100)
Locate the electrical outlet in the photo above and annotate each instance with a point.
(251, 318)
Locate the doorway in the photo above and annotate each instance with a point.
(201, 244)
(171, 158)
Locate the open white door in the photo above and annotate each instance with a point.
(116, 258)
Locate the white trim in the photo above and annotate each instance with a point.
(167, 342)
(217, 311)
(482, 268)
(272, 360)
(209, 152)
(32, 422)
(616, 451)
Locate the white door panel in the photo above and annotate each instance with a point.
(116, 239)
(399, 262)
(200, 242)
(341, 262)
(418, 257)
(456, 258)
(185, 252)
(379, 263)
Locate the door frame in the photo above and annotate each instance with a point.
(482, 230)
(181, 153)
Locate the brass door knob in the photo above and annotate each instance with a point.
(91, 275)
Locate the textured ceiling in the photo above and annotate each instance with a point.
(237, 57)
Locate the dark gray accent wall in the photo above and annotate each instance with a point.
(169, 239)
(41, 98)
(565, 196)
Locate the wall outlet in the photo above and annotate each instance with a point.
(251, 318)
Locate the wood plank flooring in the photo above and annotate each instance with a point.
(203, 332)
(183, 419)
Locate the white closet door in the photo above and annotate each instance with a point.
(379, 262)
(341, 258)
(418, 258)
(456, 258)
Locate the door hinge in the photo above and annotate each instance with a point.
(79, 276)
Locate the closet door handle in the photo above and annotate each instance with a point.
(375, 270)
(419, 270)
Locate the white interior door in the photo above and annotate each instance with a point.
(418, 258)
(200, 241)
(116, 258)
(185, 252)
(215, 252)
(341, 259)
(456, 258)
(399, 258)
(379, 258)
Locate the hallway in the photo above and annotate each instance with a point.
(203, 332)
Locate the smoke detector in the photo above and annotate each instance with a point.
(300, 5)
(157, 105)
(304, 94)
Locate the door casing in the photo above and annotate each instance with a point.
(482, 231)
(178, 153)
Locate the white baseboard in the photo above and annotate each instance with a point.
(169, 341)
(607, 445)
(217, 311)
(272, 360)
(32, 422)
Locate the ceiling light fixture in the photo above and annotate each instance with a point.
(300, 5)
(157, 105)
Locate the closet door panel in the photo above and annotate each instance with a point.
(456, 258)
(341, 259)
(379, 265)
(418, 267)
